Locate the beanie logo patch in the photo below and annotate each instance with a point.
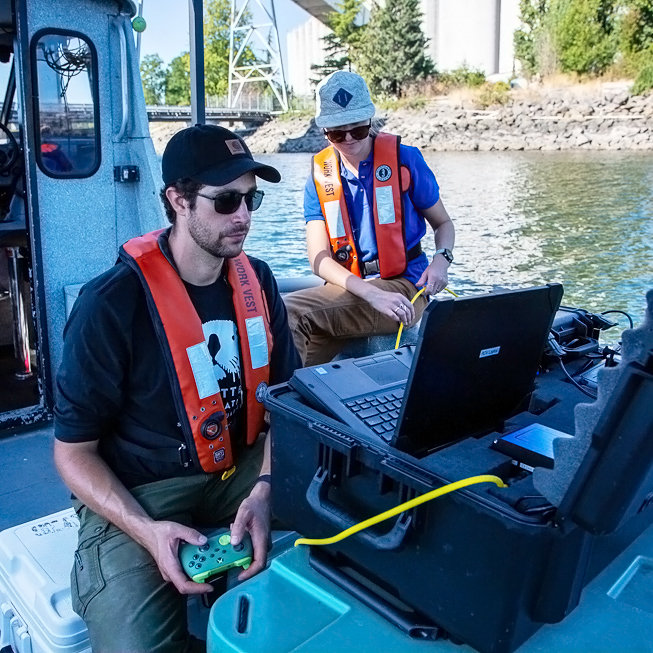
(235, 146)
(342, 97)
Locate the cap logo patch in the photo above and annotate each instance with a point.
(235, 146)
(342, 97)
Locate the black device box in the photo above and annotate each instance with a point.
(486, 566)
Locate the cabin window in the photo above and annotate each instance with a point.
(66, 105)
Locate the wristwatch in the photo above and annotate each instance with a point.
(447, 253)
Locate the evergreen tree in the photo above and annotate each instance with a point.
(341, 45)
(153, 75)
(394, 48)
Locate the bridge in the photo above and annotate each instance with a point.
(157, 113)
(321, 8)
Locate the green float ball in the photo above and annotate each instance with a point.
(139, 24)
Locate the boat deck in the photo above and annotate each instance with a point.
(31, 487)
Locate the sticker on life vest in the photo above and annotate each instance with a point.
(258, 342)
(383, 172)
(218, 456)
(334, 219)
(202, 366)
(385, 206)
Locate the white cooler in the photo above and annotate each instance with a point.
(35, 607)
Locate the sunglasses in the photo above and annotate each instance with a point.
(339, 135)
(230, 201)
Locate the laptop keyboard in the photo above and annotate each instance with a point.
(379, 411)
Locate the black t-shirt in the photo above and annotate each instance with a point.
(112, 378)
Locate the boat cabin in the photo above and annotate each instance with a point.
(78, 177)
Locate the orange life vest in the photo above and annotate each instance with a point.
(390, 180)
(179, 328)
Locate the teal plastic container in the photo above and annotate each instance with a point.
(291, 607)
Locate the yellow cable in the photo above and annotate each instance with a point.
(407, 505)
(412, 301)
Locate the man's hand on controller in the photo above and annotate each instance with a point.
(163, 545)
(254, 516)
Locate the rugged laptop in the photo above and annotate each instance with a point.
(474, 364)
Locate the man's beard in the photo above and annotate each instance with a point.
(216, 246)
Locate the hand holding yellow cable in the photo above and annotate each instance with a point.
(407, 505)
(412, 301)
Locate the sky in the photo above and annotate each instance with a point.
(166, 33)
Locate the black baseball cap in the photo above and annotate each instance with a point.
(211, 155)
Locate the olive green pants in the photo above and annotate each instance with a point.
(116, 586)
(325, 318)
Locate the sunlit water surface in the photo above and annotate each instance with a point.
(584, 219)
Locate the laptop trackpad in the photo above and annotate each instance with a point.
(384, 372)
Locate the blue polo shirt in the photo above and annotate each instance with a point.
(423, 193)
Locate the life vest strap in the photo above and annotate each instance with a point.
(172, 451)
(372, 267)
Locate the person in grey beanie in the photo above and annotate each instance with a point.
(366, 204)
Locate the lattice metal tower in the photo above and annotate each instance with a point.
(254, 50)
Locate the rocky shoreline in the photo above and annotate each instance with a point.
(593, 117)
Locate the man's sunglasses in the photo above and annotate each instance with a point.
(339, 135)
(230, 201)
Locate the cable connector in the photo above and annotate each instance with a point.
(555, 346)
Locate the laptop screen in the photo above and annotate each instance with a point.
(475, 363)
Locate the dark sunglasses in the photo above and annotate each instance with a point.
(230, 201)
(339, 135)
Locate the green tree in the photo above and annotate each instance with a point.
(585, 35)
(393, 49)
(153, 75)
(636, 26)
(217, 19)
(532, 14)
(342, 44)
(173, 83)
(178, 80)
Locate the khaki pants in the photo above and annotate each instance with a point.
(323, 319)
(116, 586)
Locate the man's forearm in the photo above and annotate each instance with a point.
(94, 483)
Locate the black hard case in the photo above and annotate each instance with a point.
(486, 566)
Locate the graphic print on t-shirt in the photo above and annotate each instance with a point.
(222, 342)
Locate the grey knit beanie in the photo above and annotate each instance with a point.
(342, 98)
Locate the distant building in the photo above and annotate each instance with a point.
(475, 33)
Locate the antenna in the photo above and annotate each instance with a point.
(254, 50)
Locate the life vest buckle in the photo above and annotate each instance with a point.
(184, 457)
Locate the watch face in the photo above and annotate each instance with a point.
(446, 253)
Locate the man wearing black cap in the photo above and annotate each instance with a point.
(158, 424)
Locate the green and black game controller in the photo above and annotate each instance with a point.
(201, 562)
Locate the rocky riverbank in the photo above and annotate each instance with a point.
(595, 117)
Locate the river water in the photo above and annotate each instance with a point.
(584, 219)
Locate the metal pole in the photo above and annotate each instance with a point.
(231, 53)
(139, 34)
(197, 92)
(282, 83)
